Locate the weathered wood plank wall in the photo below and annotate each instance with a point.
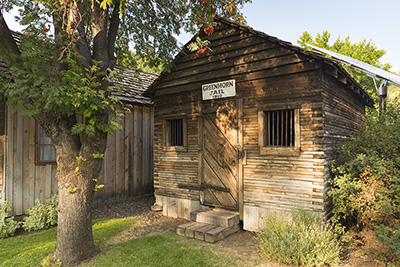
(2, 143)
(279, 181)
(343, 116)
(265, 73)
(127, 169)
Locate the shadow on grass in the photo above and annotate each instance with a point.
(160, 249)
(167, 249)
(30, 249)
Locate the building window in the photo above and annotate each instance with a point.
(279, 126)
(45, 151)
(279, 132)
(175, 133)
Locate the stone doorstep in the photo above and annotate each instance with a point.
(214, 217)
(220, 233)
(207, 232)
(156, 207)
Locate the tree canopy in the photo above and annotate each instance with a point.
(363, 51)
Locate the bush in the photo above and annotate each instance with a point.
(7, 225)
(41, 216)
(390, 236)
(298, 239)
(366, 184)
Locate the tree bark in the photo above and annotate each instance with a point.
(74, 232)
(78, 171)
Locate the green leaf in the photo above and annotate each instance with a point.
(105, 3)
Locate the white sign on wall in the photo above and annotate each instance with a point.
(218, 90)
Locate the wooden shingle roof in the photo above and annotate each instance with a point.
(333, 68)
(132, 85)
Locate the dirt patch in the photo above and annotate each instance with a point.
(148, 222)
(366, 250)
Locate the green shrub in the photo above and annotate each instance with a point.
(366, 184)
(42, 215)
(7, 225)
(298, 239)
(390, 236)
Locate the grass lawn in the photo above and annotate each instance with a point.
(160, 249)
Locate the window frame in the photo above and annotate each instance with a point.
(278, 150)
(166, 130)
(37, 145)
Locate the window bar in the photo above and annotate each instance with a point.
(273, 129)
(175, 130)
(180, 133)
(175, 127)
(171, 138)
(278, 125)
(291, 128)
(281, 128)
(287, 128)
(268, 123)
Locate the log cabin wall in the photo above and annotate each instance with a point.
(283, 182)
(265, 74)
(127, 169)
(172, 168)
(269, 75)
(344, 113)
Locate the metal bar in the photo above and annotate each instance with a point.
(268, 115)
(291, 127)
(281, 128)
(273, 128)
(287, 129)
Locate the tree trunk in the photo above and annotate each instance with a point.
(77, 175)
(74, 232)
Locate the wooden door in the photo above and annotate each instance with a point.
(219, 183)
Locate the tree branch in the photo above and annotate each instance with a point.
(76, 28)
(61, 40)
(112, 33)
(99, 31)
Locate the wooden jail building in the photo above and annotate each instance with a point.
(250, 126)
(28, 159)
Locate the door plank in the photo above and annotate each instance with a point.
(220, 156)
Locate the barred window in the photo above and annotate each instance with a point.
(175, 132)
(280, 130)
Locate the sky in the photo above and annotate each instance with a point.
(376, 21)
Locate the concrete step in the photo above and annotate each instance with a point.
(215, 217)
(206, 232)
